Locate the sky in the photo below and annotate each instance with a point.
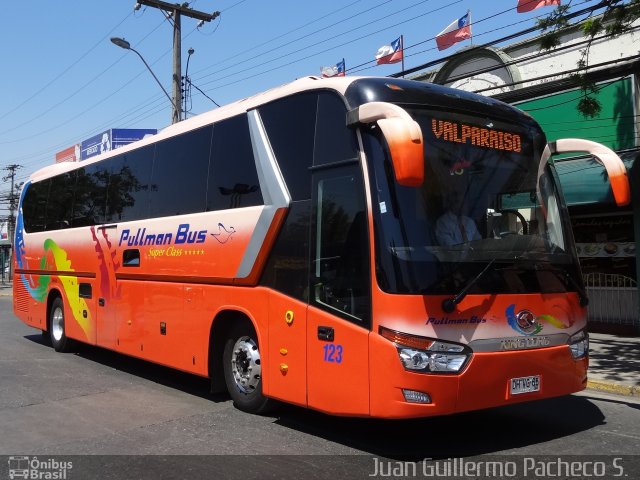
(63, 81)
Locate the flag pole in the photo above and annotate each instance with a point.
(470, 29)
(402, 48)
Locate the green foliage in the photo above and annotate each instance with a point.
(589, 106)
(616, 19)
(592, 27)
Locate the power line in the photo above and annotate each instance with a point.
(13, 198)
(267, 42)
(203, 92)
(76, 92)
(273, 49)
(506, 38)
(413, 18)
(370, 61)
(61, 74)
(573, 70)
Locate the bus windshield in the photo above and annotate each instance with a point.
(483, 209)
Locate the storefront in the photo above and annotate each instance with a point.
(606, 237)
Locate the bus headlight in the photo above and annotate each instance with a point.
(579, 344)
(425, 355)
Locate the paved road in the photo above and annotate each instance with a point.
(98, 402)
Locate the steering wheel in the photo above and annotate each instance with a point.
(523, 221)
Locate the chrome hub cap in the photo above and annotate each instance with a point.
(57, 324)
(245, 365)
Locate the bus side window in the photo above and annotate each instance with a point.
(287, 269)
(128, 191)
(233, 178)
(90, 195)
(60, 201)
(35, 206)
(290, 125)
(334, 141)
(179, 178)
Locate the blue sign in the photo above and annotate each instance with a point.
(112, 139)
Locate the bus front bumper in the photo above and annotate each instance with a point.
(485, 382)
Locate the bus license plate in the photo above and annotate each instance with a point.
(525, 385)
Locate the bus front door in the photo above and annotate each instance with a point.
(339, 312)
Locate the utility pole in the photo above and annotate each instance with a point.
(176, 11)
(11, 224)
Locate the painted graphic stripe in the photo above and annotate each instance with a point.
(274, 191)
(59, 273)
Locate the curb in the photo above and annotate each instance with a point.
(615, 388)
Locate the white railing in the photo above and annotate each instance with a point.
(612, 299)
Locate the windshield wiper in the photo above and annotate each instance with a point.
(449, 304)
(562, 273)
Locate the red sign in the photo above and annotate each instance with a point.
(71, 154)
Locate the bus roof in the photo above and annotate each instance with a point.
(338, 84)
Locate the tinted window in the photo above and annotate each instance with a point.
(35, 205)
(60, 201)
(334, 141)
(340, 260)
(90, 195)
(233, 180)
(290, 125)
(287, 269)
(179, 179)
(128, 190)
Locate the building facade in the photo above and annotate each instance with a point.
(543, 84)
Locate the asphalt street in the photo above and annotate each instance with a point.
(96, 402)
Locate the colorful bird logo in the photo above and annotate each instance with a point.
(527, 323)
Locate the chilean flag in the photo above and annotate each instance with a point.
(390, 53)
(457, 31)
(335, 71)
(528, 5)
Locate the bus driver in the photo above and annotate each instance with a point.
(454, 227)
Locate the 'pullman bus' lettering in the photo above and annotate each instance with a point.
(141, 238)
(478, 136)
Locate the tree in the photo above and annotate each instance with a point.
(616, 19)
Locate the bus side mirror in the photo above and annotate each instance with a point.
(403, 135)
(616, 171)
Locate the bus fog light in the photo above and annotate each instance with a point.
(411, 396)
(414, 359)
(579, 344)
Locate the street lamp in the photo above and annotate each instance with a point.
(122, 43)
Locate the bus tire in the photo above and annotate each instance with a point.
(243, 370)
(57, 332)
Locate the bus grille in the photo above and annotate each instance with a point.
(21, 296)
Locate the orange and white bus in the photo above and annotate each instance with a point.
(359, 246)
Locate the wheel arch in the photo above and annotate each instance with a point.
(220, 326)
(53, 294)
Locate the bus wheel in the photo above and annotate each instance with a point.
(57, 333)
(243, 370)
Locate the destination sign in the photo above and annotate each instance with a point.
(477, 136)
